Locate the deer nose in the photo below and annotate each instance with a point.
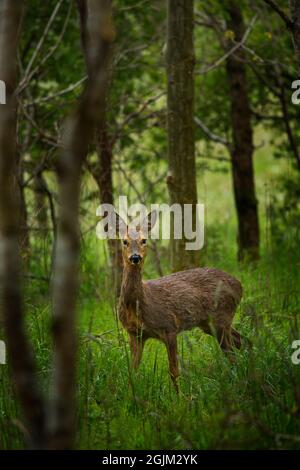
(135, 259)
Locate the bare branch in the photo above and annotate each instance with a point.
(289, 23)
(213, 137)
(135, 114)
(58, 94)
(232, 50)
(39, 46)
(50, 53)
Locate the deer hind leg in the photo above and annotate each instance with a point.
(225, 338)
(220, 332)
(171, 345)
(240, 340)
(228, 339)
(136, 343)
(236, 338)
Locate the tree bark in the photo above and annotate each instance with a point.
(180, 120)
(24, 229)
(104, 178)
(78, 135)
(102, 174)
(40, 202)
(58, 432)
(102, 171)
(19, 351)
(242, 148)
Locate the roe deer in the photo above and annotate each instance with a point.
(161, 308)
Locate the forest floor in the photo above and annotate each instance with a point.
(252, 403)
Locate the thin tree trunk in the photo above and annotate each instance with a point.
(24, 237)
(242, 148)
(105, 184)
(181, 140)
(102, 172)
(19, 351)
(79, 132)
(41, 202)
(24, 229)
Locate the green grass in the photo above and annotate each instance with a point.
(253, 403)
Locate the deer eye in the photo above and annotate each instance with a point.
(125, 242)
(143, 241)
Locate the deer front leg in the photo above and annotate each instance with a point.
(136, 347)
(171, 344)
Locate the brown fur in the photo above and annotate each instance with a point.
(162, 308)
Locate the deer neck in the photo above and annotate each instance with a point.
(132, 286)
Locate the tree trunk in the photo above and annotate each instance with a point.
(78, 135)
(102, 172)
(242, 148)
(59, 431)
(180, 119)
(104, 180)
(19, 351)
(24, 229)
(40, 202)
(24, 235)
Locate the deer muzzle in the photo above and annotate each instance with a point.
(135, 259)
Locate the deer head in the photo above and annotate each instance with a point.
(134, 239)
